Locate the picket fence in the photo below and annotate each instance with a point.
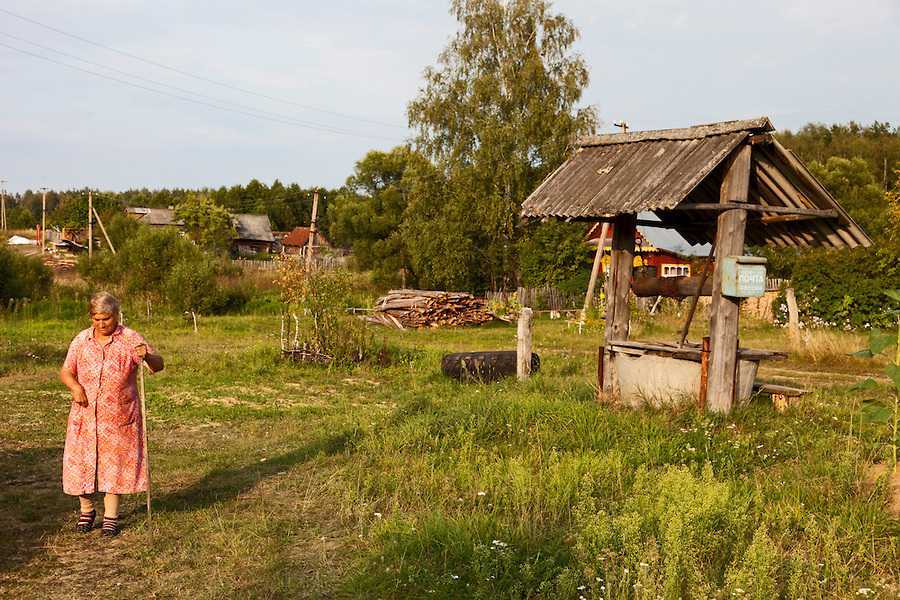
(543, 298)
(322, 262)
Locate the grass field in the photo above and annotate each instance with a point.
(273, 480)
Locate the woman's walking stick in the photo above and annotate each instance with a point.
(144, 431)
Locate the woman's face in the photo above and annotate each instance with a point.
(104, 323)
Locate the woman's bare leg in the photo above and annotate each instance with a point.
(87, 503)
(111, 505)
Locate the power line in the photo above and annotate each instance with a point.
(195, 76)
(284, 121)
(168, 85)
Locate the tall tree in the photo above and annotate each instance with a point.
(207, 223)
(496, 115)
(368, 212)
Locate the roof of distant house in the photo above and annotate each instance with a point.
(154, 216)
(299, 236)
(255, 228)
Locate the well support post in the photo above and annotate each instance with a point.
(730, 229)
(618, 313)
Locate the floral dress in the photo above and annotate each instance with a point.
(104, 441)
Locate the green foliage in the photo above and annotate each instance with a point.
(72, 210)
(207, 224)
(23, 276)
(672, 537)
(851, 182)
(19, 217)
(330, 334)
(755, 574)
(120, 228)
(369, 211)
(845, 288)
(496, 116)
(191, 285)
(878, 144)
(554, 253)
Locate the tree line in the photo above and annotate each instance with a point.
(287, 206)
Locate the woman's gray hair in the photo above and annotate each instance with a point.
(103, 302)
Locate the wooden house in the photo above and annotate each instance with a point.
(297, 241)
(649, 260)
(253, 234)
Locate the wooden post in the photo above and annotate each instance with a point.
(90, 224)
(723, 331)
(523, 347)
(595, 270)
(793, 315)
(704, 373)
(310, 248)
(103, 229)
(618, 314)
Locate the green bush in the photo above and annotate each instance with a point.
(845, 288)
(23, 276)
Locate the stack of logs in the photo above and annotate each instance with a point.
(422, 308)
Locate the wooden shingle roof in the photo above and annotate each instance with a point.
(666, 171)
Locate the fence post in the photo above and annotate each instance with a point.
(523, 347)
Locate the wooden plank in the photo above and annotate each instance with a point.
(781, 210)
(761, 138)
(730, 230)
(595, 270)
(704, 373)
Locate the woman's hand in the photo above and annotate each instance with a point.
(79, 397)
(154, 361)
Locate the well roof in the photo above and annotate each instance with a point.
(664, 169)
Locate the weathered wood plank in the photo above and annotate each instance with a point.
(781, 210)
(730, 230)
(618, 316)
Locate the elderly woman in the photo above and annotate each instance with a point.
(104, 440)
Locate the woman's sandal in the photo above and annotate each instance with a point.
(110, 527)
(86, 522)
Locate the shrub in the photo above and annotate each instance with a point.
(844, 288)
(330, 335)
(23, 276)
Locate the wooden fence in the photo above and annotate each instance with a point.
(322, 262)
(548, 298)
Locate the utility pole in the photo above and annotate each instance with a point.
(43, 218)
(623, 125)
(310, 248)
(3, 204)
(90, 224)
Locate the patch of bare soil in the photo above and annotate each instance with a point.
(877, 472)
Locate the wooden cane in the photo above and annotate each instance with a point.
(144, 431)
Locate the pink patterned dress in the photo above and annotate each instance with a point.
(104, 443)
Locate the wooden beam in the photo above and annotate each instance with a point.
(618, 314)
(761, 138)
(769, 220)
(648, 223)
(780, 210)
(730, 230)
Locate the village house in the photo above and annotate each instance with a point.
(649, 260)
(253, 234)
(156, 217)
(296, 241)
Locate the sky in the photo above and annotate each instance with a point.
(330, 81)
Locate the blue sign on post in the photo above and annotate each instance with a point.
(743, 276)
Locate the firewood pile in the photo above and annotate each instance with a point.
(422, 308)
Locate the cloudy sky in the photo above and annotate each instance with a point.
(329, 81)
